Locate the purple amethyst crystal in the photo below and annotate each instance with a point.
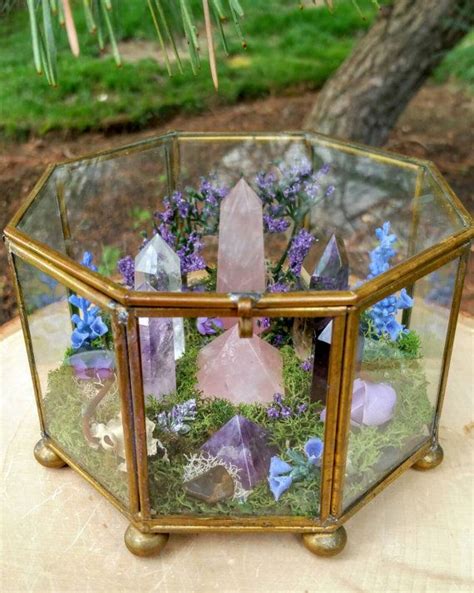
(332, 270)
(330, 273)
(243, 444)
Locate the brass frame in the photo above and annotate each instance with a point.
(345, 307)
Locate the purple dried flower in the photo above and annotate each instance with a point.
(126, 267)
(299, 250)
(323, 171)
(301, 409)
(190, 256)
(275, 225)
(207, 326)
(285, 412)
(279, 287)
(278, 398)
(307, 365)
(264, 323)
(272, 412)
(181, 204)
(167, 235)
(166, 216)
(278, 340)
(330, 190)
(266, 183)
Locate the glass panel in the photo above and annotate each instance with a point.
(75, 361)
(218, 415)
(316, 201)
(42, 220)
(107, 202)
(397, 380)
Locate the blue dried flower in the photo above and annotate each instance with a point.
(87, 260)
(279, 485)
(281, 474)
(89, 324)
(383, 314)
(314, 450)
(278, 482)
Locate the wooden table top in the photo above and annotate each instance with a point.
(59, 535)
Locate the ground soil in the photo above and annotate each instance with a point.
(438, 125)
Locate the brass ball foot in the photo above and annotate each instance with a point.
(144, 544)
(432, 459)
(326, 544)
(46, 456)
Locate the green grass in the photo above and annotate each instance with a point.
(459, 63)
(287, 48)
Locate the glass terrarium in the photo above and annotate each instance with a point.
(240, 332)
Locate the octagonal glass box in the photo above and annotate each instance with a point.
(239, 332)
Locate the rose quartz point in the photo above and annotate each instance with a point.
(241, 370)
(241, 256)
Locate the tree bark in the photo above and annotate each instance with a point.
(365, 97)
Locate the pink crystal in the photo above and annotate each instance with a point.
(241, 370)
(240, 258)
(243, 444)
(372, 404)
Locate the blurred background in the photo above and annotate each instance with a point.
(273, 84)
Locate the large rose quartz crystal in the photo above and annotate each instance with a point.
(240, 257)
(373, 404)
(242, 370)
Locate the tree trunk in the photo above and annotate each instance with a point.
(365, 97)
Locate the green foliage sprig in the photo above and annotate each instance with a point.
(172, 20)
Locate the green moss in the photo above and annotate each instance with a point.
(369, 447)
(398, 364)
(63, 407)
